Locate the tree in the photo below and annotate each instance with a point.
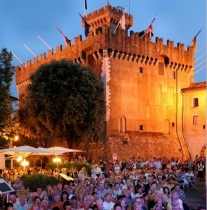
(64, 101)
(6, 74)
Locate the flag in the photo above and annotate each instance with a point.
(194, 43)
(149, 30)
(66, 40)
(85, 4)
(86, 26)
(122, 21)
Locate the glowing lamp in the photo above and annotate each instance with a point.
(56, 160)
(16, 138)
(19, 159)
(24, 163)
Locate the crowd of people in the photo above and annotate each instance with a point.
(137, 184)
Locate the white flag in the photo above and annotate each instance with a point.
(122, 21)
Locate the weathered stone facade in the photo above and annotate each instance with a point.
(143, 82)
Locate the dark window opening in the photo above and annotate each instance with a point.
(195, 102)
(141, 127)
(140, 69)
(174, 75)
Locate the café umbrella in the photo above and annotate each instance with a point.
(27, 151)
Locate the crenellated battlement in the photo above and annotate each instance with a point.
(105, 16)
(102, 11)
(131, 48)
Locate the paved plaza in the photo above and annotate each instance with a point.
(196, 198)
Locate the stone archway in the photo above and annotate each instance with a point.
(203, 151)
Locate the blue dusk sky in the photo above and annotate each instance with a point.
(22, 20)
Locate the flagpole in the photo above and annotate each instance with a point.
(59, 30)
(18, 59)
(84, 4)
(45, 43)
(116, 27)
(30, 50)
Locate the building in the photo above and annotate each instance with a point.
(194, 118)
(142, 79)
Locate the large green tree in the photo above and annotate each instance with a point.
(64, 101)
(6, 74)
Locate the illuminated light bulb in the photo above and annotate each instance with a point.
(16, 138)
(24, 163)
(19, 159)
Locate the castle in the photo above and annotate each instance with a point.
(142, 80)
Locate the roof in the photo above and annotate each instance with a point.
(197, 85)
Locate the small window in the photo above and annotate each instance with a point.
(140, 69)
(195, 102)
(122, 125)
(141, 127)
(161, 68)
(173, 124)
(174, 75)
(204, 126)
(195, 120)
(114, 29)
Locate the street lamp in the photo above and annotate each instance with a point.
(56, 160)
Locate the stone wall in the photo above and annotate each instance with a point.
(138, 144)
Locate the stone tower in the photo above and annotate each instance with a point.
(142, 80)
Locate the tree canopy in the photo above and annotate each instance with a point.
(6, 74)
(64, 100)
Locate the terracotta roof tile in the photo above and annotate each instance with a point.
(195, 86)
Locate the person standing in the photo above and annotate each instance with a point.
(200, 169)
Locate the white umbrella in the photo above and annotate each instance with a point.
(25, 151)
(63, 149)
